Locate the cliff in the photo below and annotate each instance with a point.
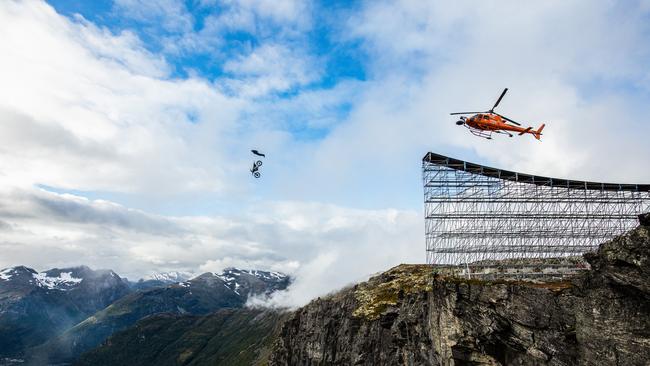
(407, 317)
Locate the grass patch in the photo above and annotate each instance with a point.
(385, 290)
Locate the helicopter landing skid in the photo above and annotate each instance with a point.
(480, 133)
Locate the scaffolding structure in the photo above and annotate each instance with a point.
(486, 221)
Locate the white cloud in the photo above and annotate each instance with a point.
(172, 15)
(323, 246)
(290, 14)
(171, 26)
(271, 68)
(84, 109)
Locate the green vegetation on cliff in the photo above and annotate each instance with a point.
(388, 288)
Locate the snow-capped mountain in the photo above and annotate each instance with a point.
(24, 276)
(200, 295)
(240, 281)
(36, 306)
(249, 282)
(19, 276)
(63, 279)
(44, 312)
(160, 279)
(170, 277)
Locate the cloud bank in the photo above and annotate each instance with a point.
(322, 246)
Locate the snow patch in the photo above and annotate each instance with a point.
(173, 276)
(277, 275)
(52, 283)
(256, 273)
(5, 274)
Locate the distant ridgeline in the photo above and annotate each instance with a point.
(54, 316)
(483, 221)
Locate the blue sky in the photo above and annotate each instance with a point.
(127, 124)
(341, 60)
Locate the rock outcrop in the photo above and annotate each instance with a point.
(407, 317)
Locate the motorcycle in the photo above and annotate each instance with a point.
(255, 168)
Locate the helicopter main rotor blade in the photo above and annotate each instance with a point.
(466, 113)
(499, 100)
(508, 119)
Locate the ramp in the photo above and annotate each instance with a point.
(478, 218)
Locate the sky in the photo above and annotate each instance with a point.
(126, 125)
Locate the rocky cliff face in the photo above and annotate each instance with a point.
(407, 317)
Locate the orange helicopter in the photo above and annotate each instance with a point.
(483, 124)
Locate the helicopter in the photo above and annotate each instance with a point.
(483, 124)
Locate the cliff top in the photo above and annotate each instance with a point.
(386, 289)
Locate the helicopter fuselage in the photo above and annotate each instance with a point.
(493, 122)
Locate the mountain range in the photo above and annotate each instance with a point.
(55, 315)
